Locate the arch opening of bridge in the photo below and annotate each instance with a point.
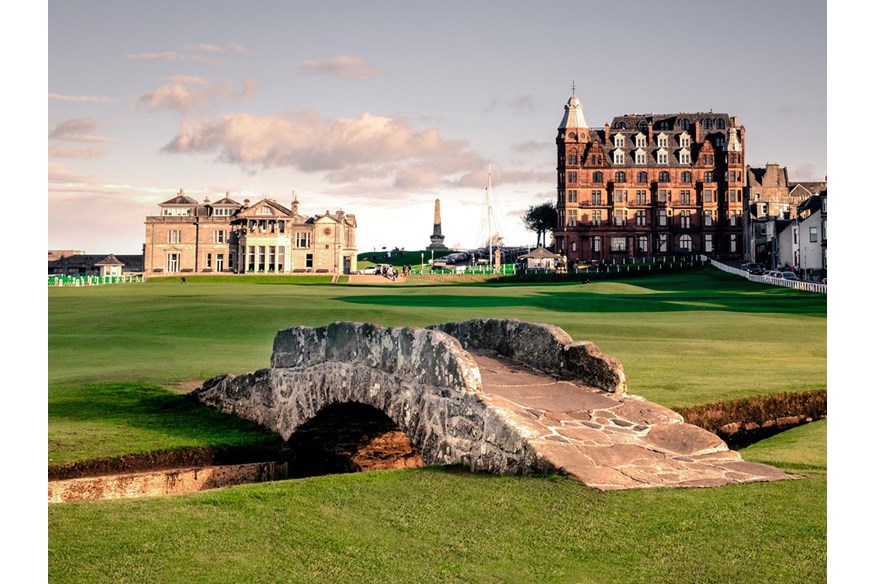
(349, 437)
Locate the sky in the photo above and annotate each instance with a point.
(379, 108)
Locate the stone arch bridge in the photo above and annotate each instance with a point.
(500, 396)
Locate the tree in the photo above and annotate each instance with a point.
(541, 219)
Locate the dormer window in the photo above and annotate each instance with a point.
(662, 156)
(620, 125)
(707, 124)
(618, 156)
(684, 156)
(618, 141)
(640, 156)
(640, 140)
(643, 125)
(684, 140)
(720, 124)
(662, 140)
(685, 124)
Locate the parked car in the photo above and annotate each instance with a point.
(789, 276)
(773, 274)
(369, 271)
(748, 267)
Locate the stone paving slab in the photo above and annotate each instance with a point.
(611, 441)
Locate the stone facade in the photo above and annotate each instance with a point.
(649, 185)
(229, 237)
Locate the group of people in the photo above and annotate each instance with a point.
(392, 273)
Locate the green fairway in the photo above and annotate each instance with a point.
(434, 525)
(684, 339)
(118, 354)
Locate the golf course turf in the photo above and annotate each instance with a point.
(120, 357)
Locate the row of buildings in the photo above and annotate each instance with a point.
(644, 185)
(647, 185)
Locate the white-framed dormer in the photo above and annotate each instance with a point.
(684, 156)
(619, 141)
(640, 156)
(641, 140)
(663, 156)
(662, 140)
(618, 156)
(684, 140)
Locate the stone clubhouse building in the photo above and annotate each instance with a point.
(227, 237)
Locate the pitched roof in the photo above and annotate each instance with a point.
(110, 260)
(540, 253)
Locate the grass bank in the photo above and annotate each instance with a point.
(448, 525)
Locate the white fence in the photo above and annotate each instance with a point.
(796, 284)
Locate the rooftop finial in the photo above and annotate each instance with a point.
(573, 87)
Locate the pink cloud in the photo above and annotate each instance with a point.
(344, 66)
(179, 94)
(80, 98)
(163, 56)
(77, 130)
(206, 48)
(66, 152)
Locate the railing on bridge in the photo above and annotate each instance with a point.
(796, 284)
(93, 280)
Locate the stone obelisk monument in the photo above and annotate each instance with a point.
(437, 239)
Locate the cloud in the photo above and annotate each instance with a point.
(67, 152)
(203, 59)
(805, 173)
(370, 154)
(306, 141)
(206, 48)
(59, 173)
(80, 98)
(344, 66)
(530, 146)
(239, 48)
(77, 130)
(164, 56)
(187, 79)
(519, 104)
(522, 104)
(178, 94)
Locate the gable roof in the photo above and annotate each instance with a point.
(110, 260)
(541, 253)
(277, 209)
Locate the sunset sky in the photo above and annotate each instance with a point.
(379, 108)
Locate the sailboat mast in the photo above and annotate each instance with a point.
(489, 215)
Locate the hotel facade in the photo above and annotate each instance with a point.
(649, 185)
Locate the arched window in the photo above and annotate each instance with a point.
(597, 177)
(643, 125)
(642, 243)
(664, 177)
(686, 177)
(620, 125)
(719, 124)
(620, 177)
(707, 124)
(685, 242)
(685, 124)
(642, 177)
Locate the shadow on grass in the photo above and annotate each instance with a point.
(141, 406)
(576, 302)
